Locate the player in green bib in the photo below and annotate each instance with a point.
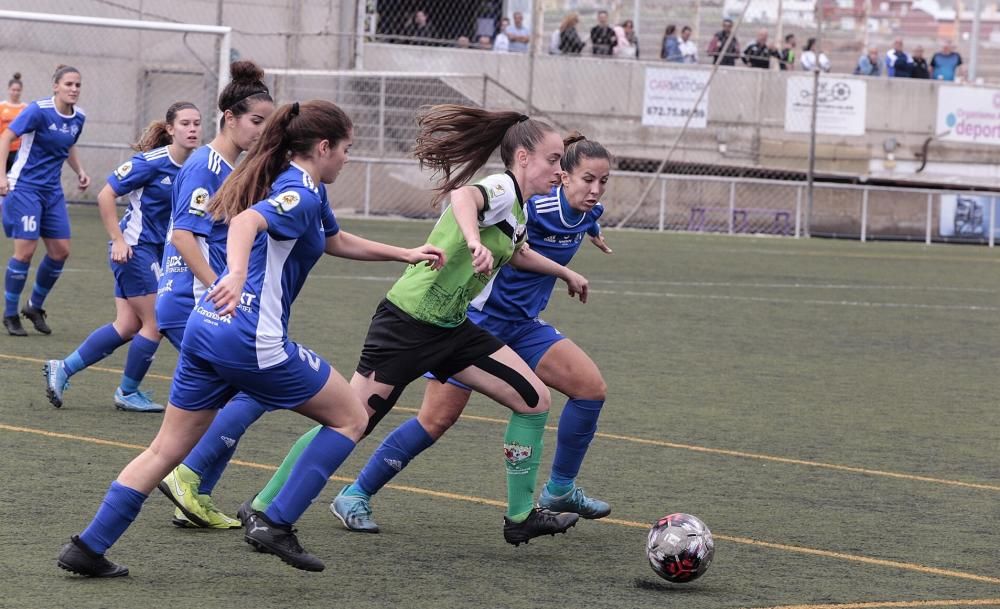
(421, 325)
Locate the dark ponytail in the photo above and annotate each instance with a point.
(156, 134)
(578, 148)
(292, 129)
(245, 87)
(452, 135)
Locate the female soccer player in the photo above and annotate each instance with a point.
(509, 308)
(236, 338)
(34, 204)
(9, 110)
(134, 254)
(421, 326)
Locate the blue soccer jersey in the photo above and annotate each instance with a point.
(555, 230)
(46, 137)
(148, 180)
(298, 222)
(178, 291)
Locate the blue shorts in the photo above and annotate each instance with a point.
(200, 384)
(174, 335)
(529, 338)
(28, 214)
(140, 274)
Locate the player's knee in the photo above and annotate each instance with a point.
(436, 422)
(354, 424)
(543, 402)
(592, 389)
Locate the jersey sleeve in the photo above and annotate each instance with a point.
(30, 119)
(498, 193)
(330, 225)
(595, 227)
(131, 175)
(291, 212)
(191, 196)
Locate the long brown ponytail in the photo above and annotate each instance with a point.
(156, 134)
(292, 129)
(453, 135)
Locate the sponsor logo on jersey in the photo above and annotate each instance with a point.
(213, 317)
(176, 264)
(496, 190)
(166, 180)
(199, 202)
(166, 287)
(123, 170)
(52, 127)
(64, 128)
(246, 302)
(286, 201)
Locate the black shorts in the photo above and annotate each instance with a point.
(400, 348)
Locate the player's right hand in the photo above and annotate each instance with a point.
(120, 251)
(482, 257)
(226, 293)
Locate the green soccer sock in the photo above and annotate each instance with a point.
(522, 449)
(264, 498)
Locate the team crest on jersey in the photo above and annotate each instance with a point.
(286, 201)
(123, 170)
(496, 190)
(520, 233)
(199, 202)
(74, 130)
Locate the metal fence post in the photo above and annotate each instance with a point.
(663, 203)
(864, 215)
(798, 212)
(732, 204)
(930, 208)
(368, 188)
(381, 116)
(993, 220)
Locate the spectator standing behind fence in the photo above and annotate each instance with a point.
(689, 50)
(759, 54)
(788, 55)
(813, 58)
(519, 36)
(897, 62)
(920, 67)
(501, 42)
(602, 36)
(869, 65)
(484, 43)
(419, 30)
(463, 42)
(9, 110)
(670, 49)
(569, 40)
(728, 56)
(628, 43)
(945, 63)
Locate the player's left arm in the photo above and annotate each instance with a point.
(346, 245)
(527, 259)
(73, 160)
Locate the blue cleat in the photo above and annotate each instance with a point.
(354, 511)
(56, 381)
(136, 402)
(574, 501)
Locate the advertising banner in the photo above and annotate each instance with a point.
(842, 105)
(670, 96)
(969, 114)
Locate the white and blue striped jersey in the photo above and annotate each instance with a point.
(148, 180)
(200, 177)
(46, 137)
(299, 220)
(555, 230)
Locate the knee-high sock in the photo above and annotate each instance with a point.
(265, 497)
(212, 453)
(577, 426)
(522, 448)
(318, 462)
(119, 508)
(48, 272)
(392, 455)
(140, 357)
(14, 280)
(93, 349)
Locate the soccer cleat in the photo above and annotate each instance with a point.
(574, 501)
(136, 402)
(56, 381)
(181, 521)
(246, 508)
(539, 522)
(181, 487)
(77, 558)
(37, 318)
(217, 519)
(281, 541)
(13, 325)
(354, 511)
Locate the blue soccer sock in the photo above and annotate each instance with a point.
(212, 453)
(577, 426)
(48, 272)
(140, 357)
(392, 455)
(93, 349)
(120, 507)
(14, 280)
(309, 475)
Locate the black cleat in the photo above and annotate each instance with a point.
(13, 325)
(539, 522)
(77, 558)
(246, 509)
(281, 541)
(37, 317)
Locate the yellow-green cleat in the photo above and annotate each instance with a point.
(181, 487)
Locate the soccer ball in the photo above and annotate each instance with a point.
(680, 548)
